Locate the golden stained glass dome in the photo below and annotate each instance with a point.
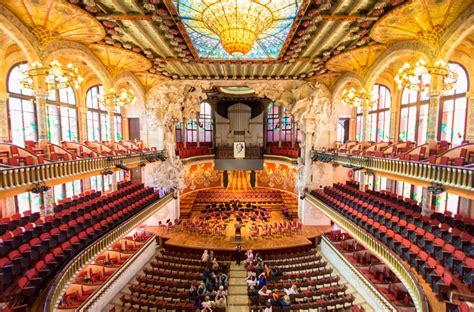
(357, 60)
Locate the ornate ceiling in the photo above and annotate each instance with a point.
(169, 34)
(164, 39)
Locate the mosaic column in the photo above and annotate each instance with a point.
(4, 116)
(40, 99)
(426, 202)
(433, 112)
(112, 126)
(82, 112)
(470, 117)
(48, 202)
(365, 119)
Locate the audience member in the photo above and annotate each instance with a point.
(205, 256)
(207, 305)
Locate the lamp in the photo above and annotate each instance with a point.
(237, 23)
(55, 75)
(418, 77)
(356, 98)
(117, 98)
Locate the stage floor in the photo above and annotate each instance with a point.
(188, 240)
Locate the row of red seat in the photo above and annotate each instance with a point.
(285, 151)
(422, 250)
(65, 233)
(194, 151)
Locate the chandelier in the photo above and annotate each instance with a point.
(354, 98)
(117, 98)
(237, 23)
(55, 75)
(418, 77)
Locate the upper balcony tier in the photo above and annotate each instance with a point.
(24, 168)
(451, 168)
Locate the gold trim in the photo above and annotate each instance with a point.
(380, 251)
(82, 260)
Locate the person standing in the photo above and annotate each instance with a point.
(238, 254)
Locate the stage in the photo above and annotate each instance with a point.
(227, 243)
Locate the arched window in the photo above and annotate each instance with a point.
(414, 116)
(379, 115)
(98, 123)
(61, 116)
(21, 109)
(205, 123)
(273, 123)
(179, 132)
(191, 131)
(118, 124)
(453, 109)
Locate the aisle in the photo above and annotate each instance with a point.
(237, 300)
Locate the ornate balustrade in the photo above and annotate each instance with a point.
(387, 256)
(79, 262)
(26, 176)
(456, 177)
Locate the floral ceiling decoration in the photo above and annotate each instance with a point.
(168, 34)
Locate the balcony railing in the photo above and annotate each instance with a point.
(82, 259)
(26, 176)
(387, 256)
(456, 177)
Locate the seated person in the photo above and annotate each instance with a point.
(207, 305)
(264, 291)
(291, 291)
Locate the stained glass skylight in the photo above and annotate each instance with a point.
(267, 45)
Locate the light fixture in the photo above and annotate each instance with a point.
(237, 23)
(418, 77)
(55, 75)
(117, 98)
(354, 98)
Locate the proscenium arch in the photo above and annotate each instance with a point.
(395, 52)
(60, 48)
(462, 27)
(19, 33)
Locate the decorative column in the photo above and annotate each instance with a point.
(4, 116)
(40, 100)
(280, 119)
(394, 117)
(48, 202)
(470, 116)
(125, 129)
(82, 115)
(365, 119)
(433, 113)
(113, 180)
(111, 113)
(426, 202)
(363, 180)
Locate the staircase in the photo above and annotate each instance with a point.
(237, 299)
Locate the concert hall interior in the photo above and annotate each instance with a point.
(236, 155)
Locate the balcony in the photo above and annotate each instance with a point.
(22, 178)
(451, 176)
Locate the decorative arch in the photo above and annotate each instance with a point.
(128, 77)
(341, 83)
(79, 51)
(396, 52)
(456, 32)
(19, 33)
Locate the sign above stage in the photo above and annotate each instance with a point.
(238, 164)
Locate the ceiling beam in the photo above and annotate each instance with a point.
(147, 17)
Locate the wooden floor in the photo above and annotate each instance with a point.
(182, 239)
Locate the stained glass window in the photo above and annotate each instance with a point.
(21, 110)
(98, 121)
(205, 123)
(179, 132)
(61, 116)
(273, 123)
(379, 115)
(268, 44)
(414, 116)
(447, 202)
(28, 202)
(453, 110)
